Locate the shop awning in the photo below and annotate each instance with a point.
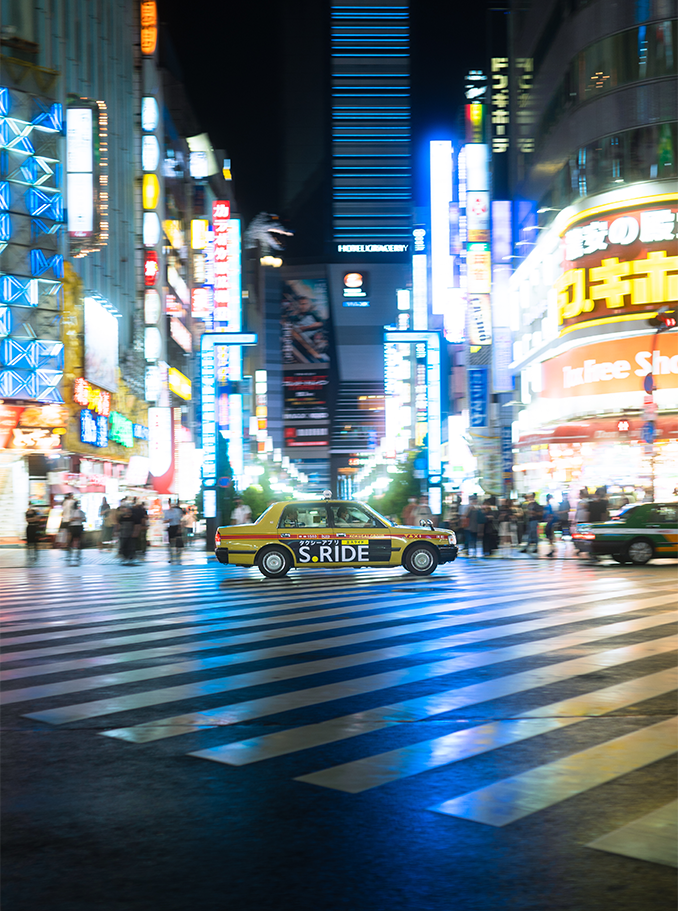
(599, 430)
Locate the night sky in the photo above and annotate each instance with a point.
(232, 68)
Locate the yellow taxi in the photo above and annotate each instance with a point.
(332, 533)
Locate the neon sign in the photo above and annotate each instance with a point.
(96, 400)
(121, 430)
(151, 268)
(93, 428)
(149, 26)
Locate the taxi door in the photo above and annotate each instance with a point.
(663, 521)
(360, 538)
(305, 529)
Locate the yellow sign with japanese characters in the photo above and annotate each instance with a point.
(619, 264)
(613, 285)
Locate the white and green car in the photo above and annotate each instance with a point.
(636, 535)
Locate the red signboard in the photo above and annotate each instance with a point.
(221, 216)
(9, 419)
(97, 400)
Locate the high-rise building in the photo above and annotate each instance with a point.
(370, 111)
(347, 193)
(593, 148)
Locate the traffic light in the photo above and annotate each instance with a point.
(664, 320)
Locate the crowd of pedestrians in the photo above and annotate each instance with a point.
(507, 527)
(124, 528)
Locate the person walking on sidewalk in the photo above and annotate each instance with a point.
(33, 531)
(126, 527)
(534, 516)
(173, 516)
(550, 518)
(76, 524)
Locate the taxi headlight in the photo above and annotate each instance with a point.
(452, 538)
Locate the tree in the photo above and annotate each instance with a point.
(403, 486)
(258, 496)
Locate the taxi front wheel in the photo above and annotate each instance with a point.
(640, 551)
(420, 560)
(274, 562)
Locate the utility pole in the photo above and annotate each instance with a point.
(663, 321)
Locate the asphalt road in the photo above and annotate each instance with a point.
(500, 735)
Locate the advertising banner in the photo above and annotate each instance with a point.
(477, 395)
(479, 319)
(304, 319)
(296, 437)
(618, 265)
(305, 396)
(101, 345)
(618, 365)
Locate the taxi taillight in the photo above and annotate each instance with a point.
(217, 538)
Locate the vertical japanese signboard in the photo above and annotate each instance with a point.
(500, 104)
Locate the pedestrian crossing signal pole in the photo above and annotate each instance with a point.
(664, 320)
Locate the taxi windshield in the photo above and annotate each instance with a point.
(376, 514)
(625, 512)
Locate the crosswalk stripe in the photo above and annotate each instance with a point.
(227, 616)
(283, 702)
(113, 705)
(653, 837)
(457, 608)
(57, 667)
(245, 607)
(522, 795)
(104, 604)
(81, 684)
(150, 597)
(373, 771)
(333, 730)
(197, 588)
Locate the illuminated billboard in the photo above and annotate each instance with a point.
(80, 171)
(617, 264)
(227, 267)
(220, 359)
(305, 322)
(413, 393)
(101, 345)
(305, 394)
(87, 175)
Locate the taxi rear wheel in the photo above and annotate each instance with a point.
(274, 562)
(640, 551)
(420, 560)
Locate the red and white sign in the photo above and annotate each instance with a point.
(221, 215)
(161, 448)
(617, 365)
(151, 268)
(201, 303)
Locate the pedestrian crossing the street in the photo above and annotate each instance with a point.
(351, 682)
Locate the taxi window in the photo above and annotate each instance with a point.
(348, 515)
(304, 515)
(664, 515)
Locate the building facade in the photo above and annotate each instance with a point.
(103, 175)
(593, 162)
